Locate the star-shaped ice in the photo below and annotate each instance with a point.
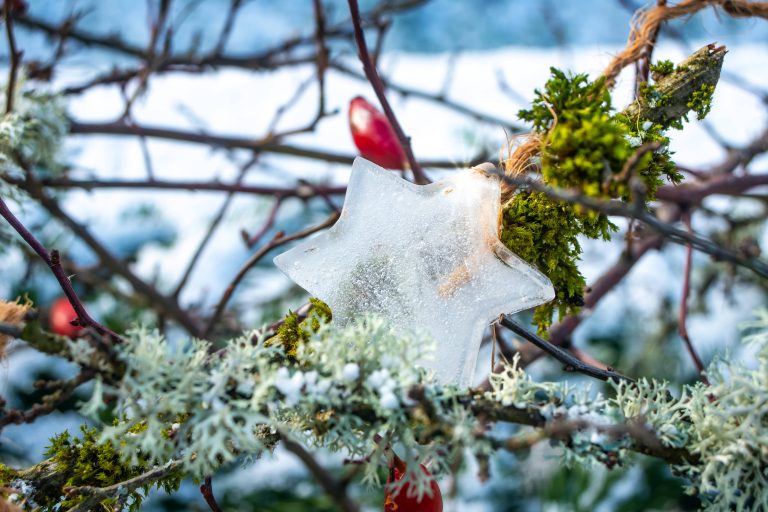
(426, 258)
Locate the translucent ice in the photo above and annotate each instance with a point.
(426, 258)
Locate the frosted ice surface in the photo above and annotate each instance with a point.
(426, 258)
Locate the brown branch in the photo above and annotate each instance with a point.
(682, 329)
(643, 65)
(378, 87)
(571, 362)
(207, 491)
(277, 241)
(719, 185)
(15, 56)
(251, 240)
(63, 390)
(229, 23)
(301, 191)
(333, 488)
(54, 263)
(231, 142)
(166, 304)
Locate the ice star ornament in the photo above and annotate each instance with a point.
(426, 258)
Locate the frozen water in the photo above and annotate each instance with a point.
(426, 258)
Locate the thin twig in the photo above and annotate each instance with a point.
(251, 240)
(643, 65)
(378, 87)
(60, 392)
(215, 223)
(164, 303)
(303, 191)
(231, 142)
(572, 363)
(334, 488)
(15, 56)
(207, 491)
(277, 241)
(682, 329)
(53, 261)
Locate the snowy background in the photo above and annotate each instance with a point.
(460, 48)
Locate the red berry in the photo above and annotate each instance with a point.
(402, 502)
(373, 135)
(60, 317)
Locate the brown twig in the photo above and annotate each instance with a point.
(378, 87)
(230, 142)
(572, 363)
(15, 56)
(61, 391)
(53, 261)
(278, 240)
(207, 491)
(208, 236)
(335, 489)
(251, 240)
(682, 329)
(164, 303)
(301, 191)
(643, 65)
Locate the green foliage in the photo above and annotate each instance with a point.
(89, 462)
(584, 145)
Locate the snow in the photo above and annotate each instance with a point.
(426, 258)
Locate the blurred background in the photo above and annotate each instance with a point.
(457, 73)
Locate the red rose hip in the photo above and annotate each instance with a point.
(60, 317)
(402, 502)
(373, 135)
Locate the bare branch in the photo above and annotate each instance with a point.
(277, 241)
(378, 87)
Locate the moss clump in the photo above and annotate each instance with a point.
(661, 68)
(585, 145)
(581, 143)
(7, 475)
(293, 332)
(701, 101)
(86, 462)
(545, 232)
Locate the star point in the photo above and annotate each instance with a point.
(427, 258)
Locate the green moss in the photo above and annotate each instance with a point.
(585, 146)
(701, 101)
(662, 67)
(293, 332)
(545, 232)
(7, 475)
(85, 461)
